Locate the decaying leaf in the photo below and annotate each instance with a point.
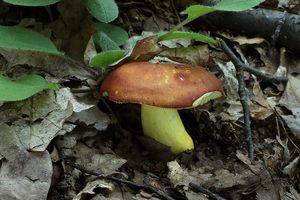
(259, 106)
(92, 116)
(23, 174)
(57, 66)
(196, 55)
(39, 119)
(219, 178)
(291, 167)
(291, 100)
(105, 186)
(100, 163)
(230, 83)
(73, 28)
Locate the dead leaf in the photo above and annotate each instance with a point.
(73, 29)
(104, 186)
(145, 49)
(291, 167)
(39, 119)
(291, 100)
(291, 95)
(23, 174)
(54, 65)
(196, 55)
(230, 83)
(92, 116)
(259, 106)
(101, 163)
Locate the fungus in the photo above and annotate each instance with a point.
(161, 89)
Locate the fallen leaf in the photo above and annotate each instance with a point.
(196, 55)
(101, 163)
(259, 106)
(230, 83)
(92, 116)
(39, 119)
(291, 100)
(73, 28)
(104, 186)
(23, 174)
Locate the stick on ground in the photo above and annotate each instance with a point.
(240, 68)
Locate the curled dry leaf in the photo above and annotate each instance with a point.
(259, 106)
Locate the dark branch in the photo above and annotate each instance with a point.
(150, 188)
(203, 190)
(243, 97)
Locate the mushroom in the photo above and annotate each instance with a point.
(161, 89)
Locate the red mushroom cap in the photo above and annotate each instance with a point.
(161, 85)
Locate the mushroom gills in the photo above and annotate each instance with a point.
(165, 126)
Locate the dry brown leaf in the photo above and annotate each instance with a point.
(196, 55)
(259, 107)
(73, 29)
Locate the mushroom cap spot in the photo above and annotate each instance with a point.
(162, 85)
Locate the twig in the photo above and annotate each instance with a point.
(243, 97)
(150, 188)
(203, 190)
(263, 76)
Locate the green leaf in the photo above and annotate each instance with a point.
(115, 33)
(24, 39)
(189, 35)
(15, 90)
(31, 2)
(105, 42)
(236, 5)
(103, 10)
(106, 58)
(196, 11)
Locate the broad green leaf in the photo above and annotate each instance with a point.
(15, 90)
(196, 11)
(195, 36)
(116, 33)
(105, 42)
(24, 39)
(31, 2)
(103, 10)
(106, 58)
(236, 5)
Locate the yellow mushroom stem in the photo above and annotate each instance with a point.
(165, 126)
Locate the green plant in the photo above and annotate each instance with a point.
(193, 12)
(31, 2)
(24, 40)
(108, 38)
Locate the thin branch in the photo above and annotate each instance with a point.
(263, 76)
(203, 190)
(150, 188)
(243, 97)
